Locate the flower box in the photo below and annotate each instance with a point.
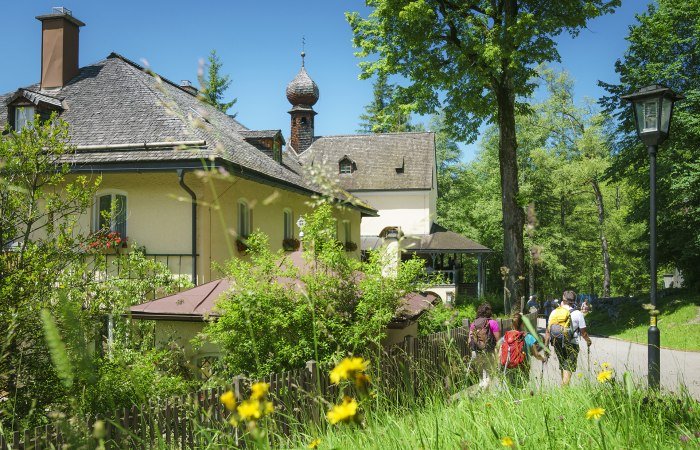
(290, 244)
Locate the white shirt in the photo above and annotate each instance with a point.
(577, 321)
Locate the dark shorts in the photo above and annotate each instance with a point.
(567, 354)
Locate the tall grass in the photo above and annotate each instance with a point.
(549, 419)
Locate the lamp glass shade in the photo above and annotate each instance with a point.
(666, 108)
(647, 115)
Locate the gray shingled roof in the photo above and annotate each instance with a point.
(34, 97)
(117, 102)
(259, 134)
(377, 157)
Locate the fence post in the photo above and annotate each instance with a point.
(412, 361)
(237, 386)
(312, 374)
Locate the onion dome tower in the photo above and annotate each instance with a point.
(302, 93)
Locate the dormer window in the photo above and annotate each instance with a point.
(24, 115)
(346, 166)
(24, 105)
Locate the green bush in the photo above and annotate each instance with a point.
(442, 318)
(269, 323)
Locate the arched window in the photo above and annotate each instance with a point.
(244, 219)
(288, 224)
(110, 213)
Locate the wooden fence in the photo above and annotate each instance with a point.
(440, 360)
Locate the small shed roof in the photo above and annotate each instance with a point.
(440, 240)
(198, 303)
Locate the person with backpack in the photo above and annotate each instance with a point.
(516, 349)
(484, 332)
(565, 326)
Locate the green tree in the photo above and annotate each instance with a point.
(664, 47)
(39, 209)
(340, 305)
(575, 216)
(447, 154)
(478, 59)
(214, 84)
(383, 114)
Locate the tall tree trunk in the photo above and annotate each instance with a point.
(603, 239)
(513, 216)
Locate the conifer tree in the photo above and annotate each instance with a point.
(214, 84)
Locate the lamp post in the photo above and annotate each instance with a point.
(653, 108)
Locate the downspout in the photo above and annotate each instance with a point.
(181, 176)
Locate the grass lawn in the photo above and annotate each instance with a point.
(679, 321)
(555, 419)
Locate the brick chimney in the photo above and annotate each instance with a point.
(59, 47)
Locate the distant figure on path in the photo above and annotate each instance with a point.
(516, 348)
(483, 335)
(586, 307)
(548, 308)
(532, 305)
(564, 327)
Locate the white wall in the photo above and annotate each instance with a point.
(413, 211)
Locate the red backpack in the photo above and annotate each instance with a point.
(513, 349)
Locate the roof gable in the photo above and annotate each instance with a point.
(388, 161)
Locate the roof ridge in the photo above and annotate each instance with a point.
(393, 133)
(148, 71)
(161, 97)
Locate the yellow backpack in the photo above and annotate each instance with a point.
(560, 323)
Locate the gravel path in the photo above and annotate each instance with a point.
(678, 368)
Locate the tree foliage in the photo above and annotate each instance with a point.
(383, 114)
(475, 59)
(664, 47)
(564, 151)
(53, 292)
(214, 84)
(269, 322)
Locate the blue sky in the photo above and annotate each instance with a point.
(259, 43)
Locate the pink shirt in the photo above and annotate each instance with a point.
(492, 324)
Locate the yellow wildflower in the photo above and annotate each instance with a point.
(605, 375)
(229, 400)
(347, 368)
(233, 421)
(269, 408)
(314, 443)
(579, 375)
(605, 366)
(595, 413)
(344, 412)
(259, 390)
(507, 442)
(249, 409)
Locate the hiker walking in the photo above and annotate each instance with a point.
(516, 349)
(564, 328)
(483, 335)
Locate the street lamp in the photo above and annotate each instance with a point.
(653, 108)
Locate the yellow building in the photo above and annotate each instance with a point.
(189, 182)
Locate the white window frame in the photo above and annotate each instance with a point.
(345, 163)
(24, 115)
(244, 218)
(113, 193)
(288, 225)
